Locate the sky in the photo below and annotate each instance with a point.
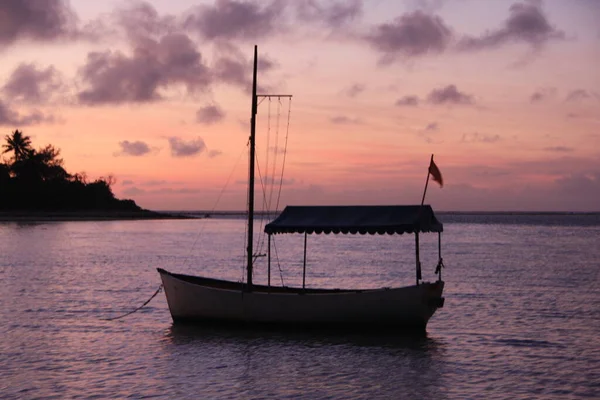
(156, 93)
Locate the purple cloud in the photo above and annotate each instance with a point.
(232, 67)
(181, 148)
(133, 191)
(231, 19)
(140, 20)
(410, 101)
(214, 153)
(113, 77)
(136, 148)
(578, 95)
(559, 149)
(432, 127)
(354, 90)
(526, 23)
(10, 117)
(37, 20)
(576, 183)
(344, 120)
(332, 14)
(32, 85)
(413, 34)
(479, 138)
(449, 95)
(542, 94)
(209, 115)
(232, 71)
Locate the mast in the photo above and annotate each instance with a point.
(251, 174)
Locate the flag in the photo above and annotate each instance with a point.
(435, 173)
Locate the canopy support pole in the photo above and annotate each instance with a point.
(418, 266)
(269, 262)
(304, 263)
(440, 265)
(440, 256)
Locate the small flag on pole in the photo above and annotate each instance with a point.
(435, 173)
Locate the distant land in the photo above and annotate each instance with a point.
(101, 215)
(35, 186)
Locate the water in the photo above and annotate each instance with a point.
(521, 318)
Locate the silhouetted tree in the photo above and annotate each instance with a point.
(36, 180)
(19, 144)
(40, 165)
(4, 174)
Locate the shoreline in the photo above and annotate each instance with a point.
(51, 216)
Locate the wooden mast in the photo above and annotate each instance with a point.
(251, 174)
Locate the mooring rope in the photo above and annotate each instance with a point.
(137, 309)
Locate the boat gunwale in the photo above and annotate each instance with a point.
(222, 284)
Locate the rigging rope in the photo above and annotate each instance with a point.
(137, 309)
(278, 264)
(275, 151)
(284, 154)
(187, 258)
(267, 183)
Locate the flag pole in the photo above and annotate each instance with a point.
(426, 181)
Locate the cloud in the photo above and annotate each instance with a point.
(114, 78)
(578, 95)
(427, 5)
(577, 183)
(332, 14)
(559, 149)
(231, 19)
(232, 71)
(411, 101)
(449, 95)
(29, 84)
(541, 95)
(133, 191)
(526, 23)
(344, 120)
(10, 117)
(477, 137)
(154, 182)
(36, 20)
(269, 180)
(429, 129)
(231, 66)
(140, 21)
(136, 148)
(536, 97)
(180, 148)
(209, 115)
(214, 153)
(354, 90)
(413, 34)
(432, 127)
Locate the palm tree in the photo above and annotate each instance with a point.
(18, 144)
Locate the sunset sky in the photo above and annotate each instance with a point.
(506, 94)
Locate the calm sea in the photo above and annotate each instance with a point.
(521, 318)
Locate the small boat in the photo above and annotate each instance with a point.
(200, 299)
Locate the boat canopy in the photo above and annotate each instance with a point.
(355, 219)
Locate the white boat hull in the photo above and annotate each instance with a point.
(197, 299)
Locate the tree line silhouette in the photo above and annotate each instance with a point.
(35, 180)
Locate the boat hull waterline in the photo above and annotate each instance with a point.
(201, 300)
